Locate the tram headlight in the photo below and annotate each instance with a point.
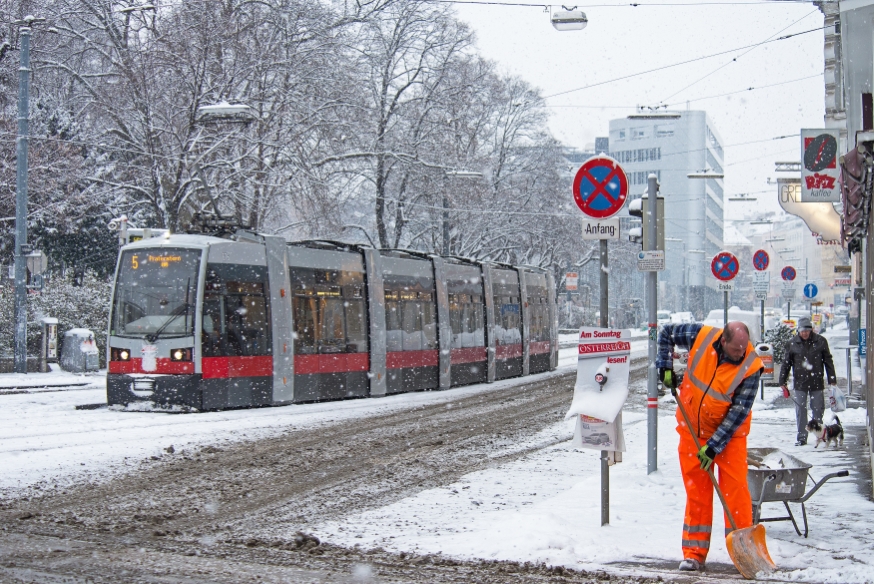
(180, 355)
(120, 354)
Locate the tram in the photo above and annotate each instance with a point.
(206, 322)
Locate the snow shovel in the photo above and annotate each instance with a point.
(747, 546)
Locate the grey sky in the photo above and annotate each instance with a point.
(621, 40)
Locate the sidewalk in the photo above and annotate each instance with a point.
(54, 380)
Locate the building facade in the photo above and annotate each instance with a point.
(672, 145)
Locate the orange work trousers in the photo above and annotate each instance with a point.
(732, 477)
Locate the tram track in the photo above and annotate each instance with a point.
(232, 514)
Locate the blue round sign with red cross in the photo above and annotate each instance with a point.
(725, 266)
(600, 187)
(788, 273)
(761, 260)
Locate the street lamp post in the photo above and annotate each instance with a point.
(452, 174)
(21, 146)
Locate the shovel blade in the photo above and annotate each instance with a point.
(749, 551)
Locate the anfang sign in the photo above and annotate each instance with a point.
(601, 229)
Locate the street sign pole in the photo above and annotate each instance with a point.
(605, 463)
(762, 381)
(761, 260)
(652, 391)
(600, 188)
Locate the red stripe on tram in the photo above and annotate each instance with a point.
(406, 359)
(467, 355)
(331, 363)
(230, 367)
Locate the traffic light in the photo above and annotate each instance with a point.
(638, 208)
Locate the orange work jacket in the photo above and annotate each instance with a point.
(707, 389)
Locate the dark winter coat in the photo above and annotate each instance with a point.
(807, 359)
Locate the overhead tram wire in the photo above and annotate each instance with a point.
(621, 5)
(734, 60)
(686, 62)
(694, 99)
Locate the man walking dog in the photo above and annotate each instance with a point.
(717, 393)
(806, 355)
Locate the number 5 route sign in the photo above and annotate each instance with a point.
(600, 187)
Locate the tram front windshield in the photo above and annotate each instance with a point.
(155, 294)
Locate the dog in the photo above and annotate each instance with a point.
(827, 434)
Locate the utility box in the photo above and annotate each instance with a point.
(48, 352)
(765, 352)
(79, 353)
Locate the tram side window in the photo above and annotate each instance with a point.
(538, 319)
(466, 320)
(410, 321)
(507, 320)
(329, 319)
(236, 316)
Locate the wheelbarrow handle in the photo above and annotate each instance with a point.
(842, 473)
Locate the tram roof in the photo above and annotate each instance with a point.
(175, 240)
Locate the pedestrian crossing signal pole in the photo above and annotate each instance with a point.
(652, 299)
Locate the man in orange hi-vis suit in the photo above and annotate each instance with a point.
(717, 392)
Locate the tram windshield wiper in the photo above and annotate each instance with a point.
(177, 312)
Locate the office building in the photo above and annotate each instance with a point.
(672, 145)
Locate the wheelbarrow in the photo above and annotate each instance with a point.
(777, 476)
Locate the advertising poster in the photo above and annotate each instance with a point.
(604, 357)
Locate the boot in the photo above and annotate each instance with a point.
(690, 565)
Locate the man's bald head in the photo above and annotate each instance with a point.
(735, 338)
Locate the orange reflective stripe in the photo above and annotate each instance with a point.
(696, 528)
(697, 543)
(696, 358)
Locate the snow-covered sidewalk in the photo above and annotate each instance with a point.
(546, 508)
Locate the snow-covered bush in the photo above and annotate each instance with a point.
(778, 337)
(85, 306)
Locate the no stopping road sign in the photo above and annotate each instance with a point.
(725, 266)
(600, 187)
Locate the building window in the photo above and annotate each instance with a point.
(622, 134)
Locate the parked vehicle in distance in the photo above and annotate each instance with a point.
(681, 318)
(663, 317)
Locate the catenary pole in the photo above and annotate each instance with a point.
(605, 466)
(20, 364)
(652, 392)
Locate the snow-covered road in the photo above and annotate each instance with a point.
(544, 507)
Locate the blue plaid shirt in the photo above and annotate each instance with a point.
(683, 336)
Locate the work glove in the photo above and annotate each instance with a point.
(785, 390)
(706, 456)
(668, 378)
